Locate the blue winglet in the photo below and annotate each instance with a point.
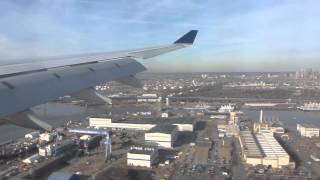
(187, 38)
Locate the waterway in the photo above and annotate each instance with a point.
(55, 114)
(58, 114)
(288, 118)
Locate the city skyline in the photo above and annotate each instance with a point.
(233, 36)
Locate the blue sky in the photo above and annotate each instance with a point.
(242, 35)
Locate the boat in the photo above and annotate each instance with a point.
(312, 106)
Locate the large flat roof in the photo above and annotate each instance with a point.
(152, 120)
(163, 128)
(251, 148)
(308, 125)
(270, 146)
(142, 150)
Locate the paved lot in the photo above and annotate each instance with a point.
(302, 148)
(201, 155)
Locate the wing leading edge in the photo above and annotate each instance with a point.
(28, 84)
(42, 64)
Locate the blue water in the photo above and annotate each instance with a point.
(288, 118)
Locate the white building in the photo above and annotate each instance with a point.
(46, 150)
(182, 125)
(142, 156)
(263, 148)
(162, 136)
(308, 130)
(164, 114)
(32, 135)
(149, 98)
(274, 154)
(99, 121)
(107, 123)
(47, 137)
(277, 129)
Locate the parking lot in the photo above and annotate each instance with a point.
(205, 162)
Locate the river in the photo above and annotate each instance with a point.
(288, 118)
(59, 113)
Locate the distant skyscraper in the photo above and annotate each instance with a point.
(304, 73)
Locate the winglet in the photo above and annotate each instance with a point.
(187, 38)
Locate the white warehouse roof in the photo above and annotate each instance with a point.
(270, 146)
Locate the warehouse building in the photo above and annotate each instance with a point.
(149, 98)
(162, 136)
(107, 123)
(274, 154)
(308, 130)
(142, 156)
(184, 127)
(182, 124)
(263, 149)
(251, 151)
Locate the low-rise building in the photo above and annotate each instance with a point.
(263, 148)
(161, 136)
(308, 130)
(46, 137)
(107, 123)
(142, 156)
(221, 127)
(251, 152)
(184, 127)
(149, 98)
(274, 154)
(164, 114)
(32, 135)
(277, 129)
(182, 124)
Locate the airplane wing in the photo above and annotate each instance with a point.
(37, 81)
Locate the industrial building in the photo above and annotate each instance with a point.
(164, 115)
(182, 124)
(262, 148)
(107, 123)
(149, 98)
(133, 99)
(250, 149)
(275, 128)
(308, 130)
(162, 136)
(142, 156)
(184, 127)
